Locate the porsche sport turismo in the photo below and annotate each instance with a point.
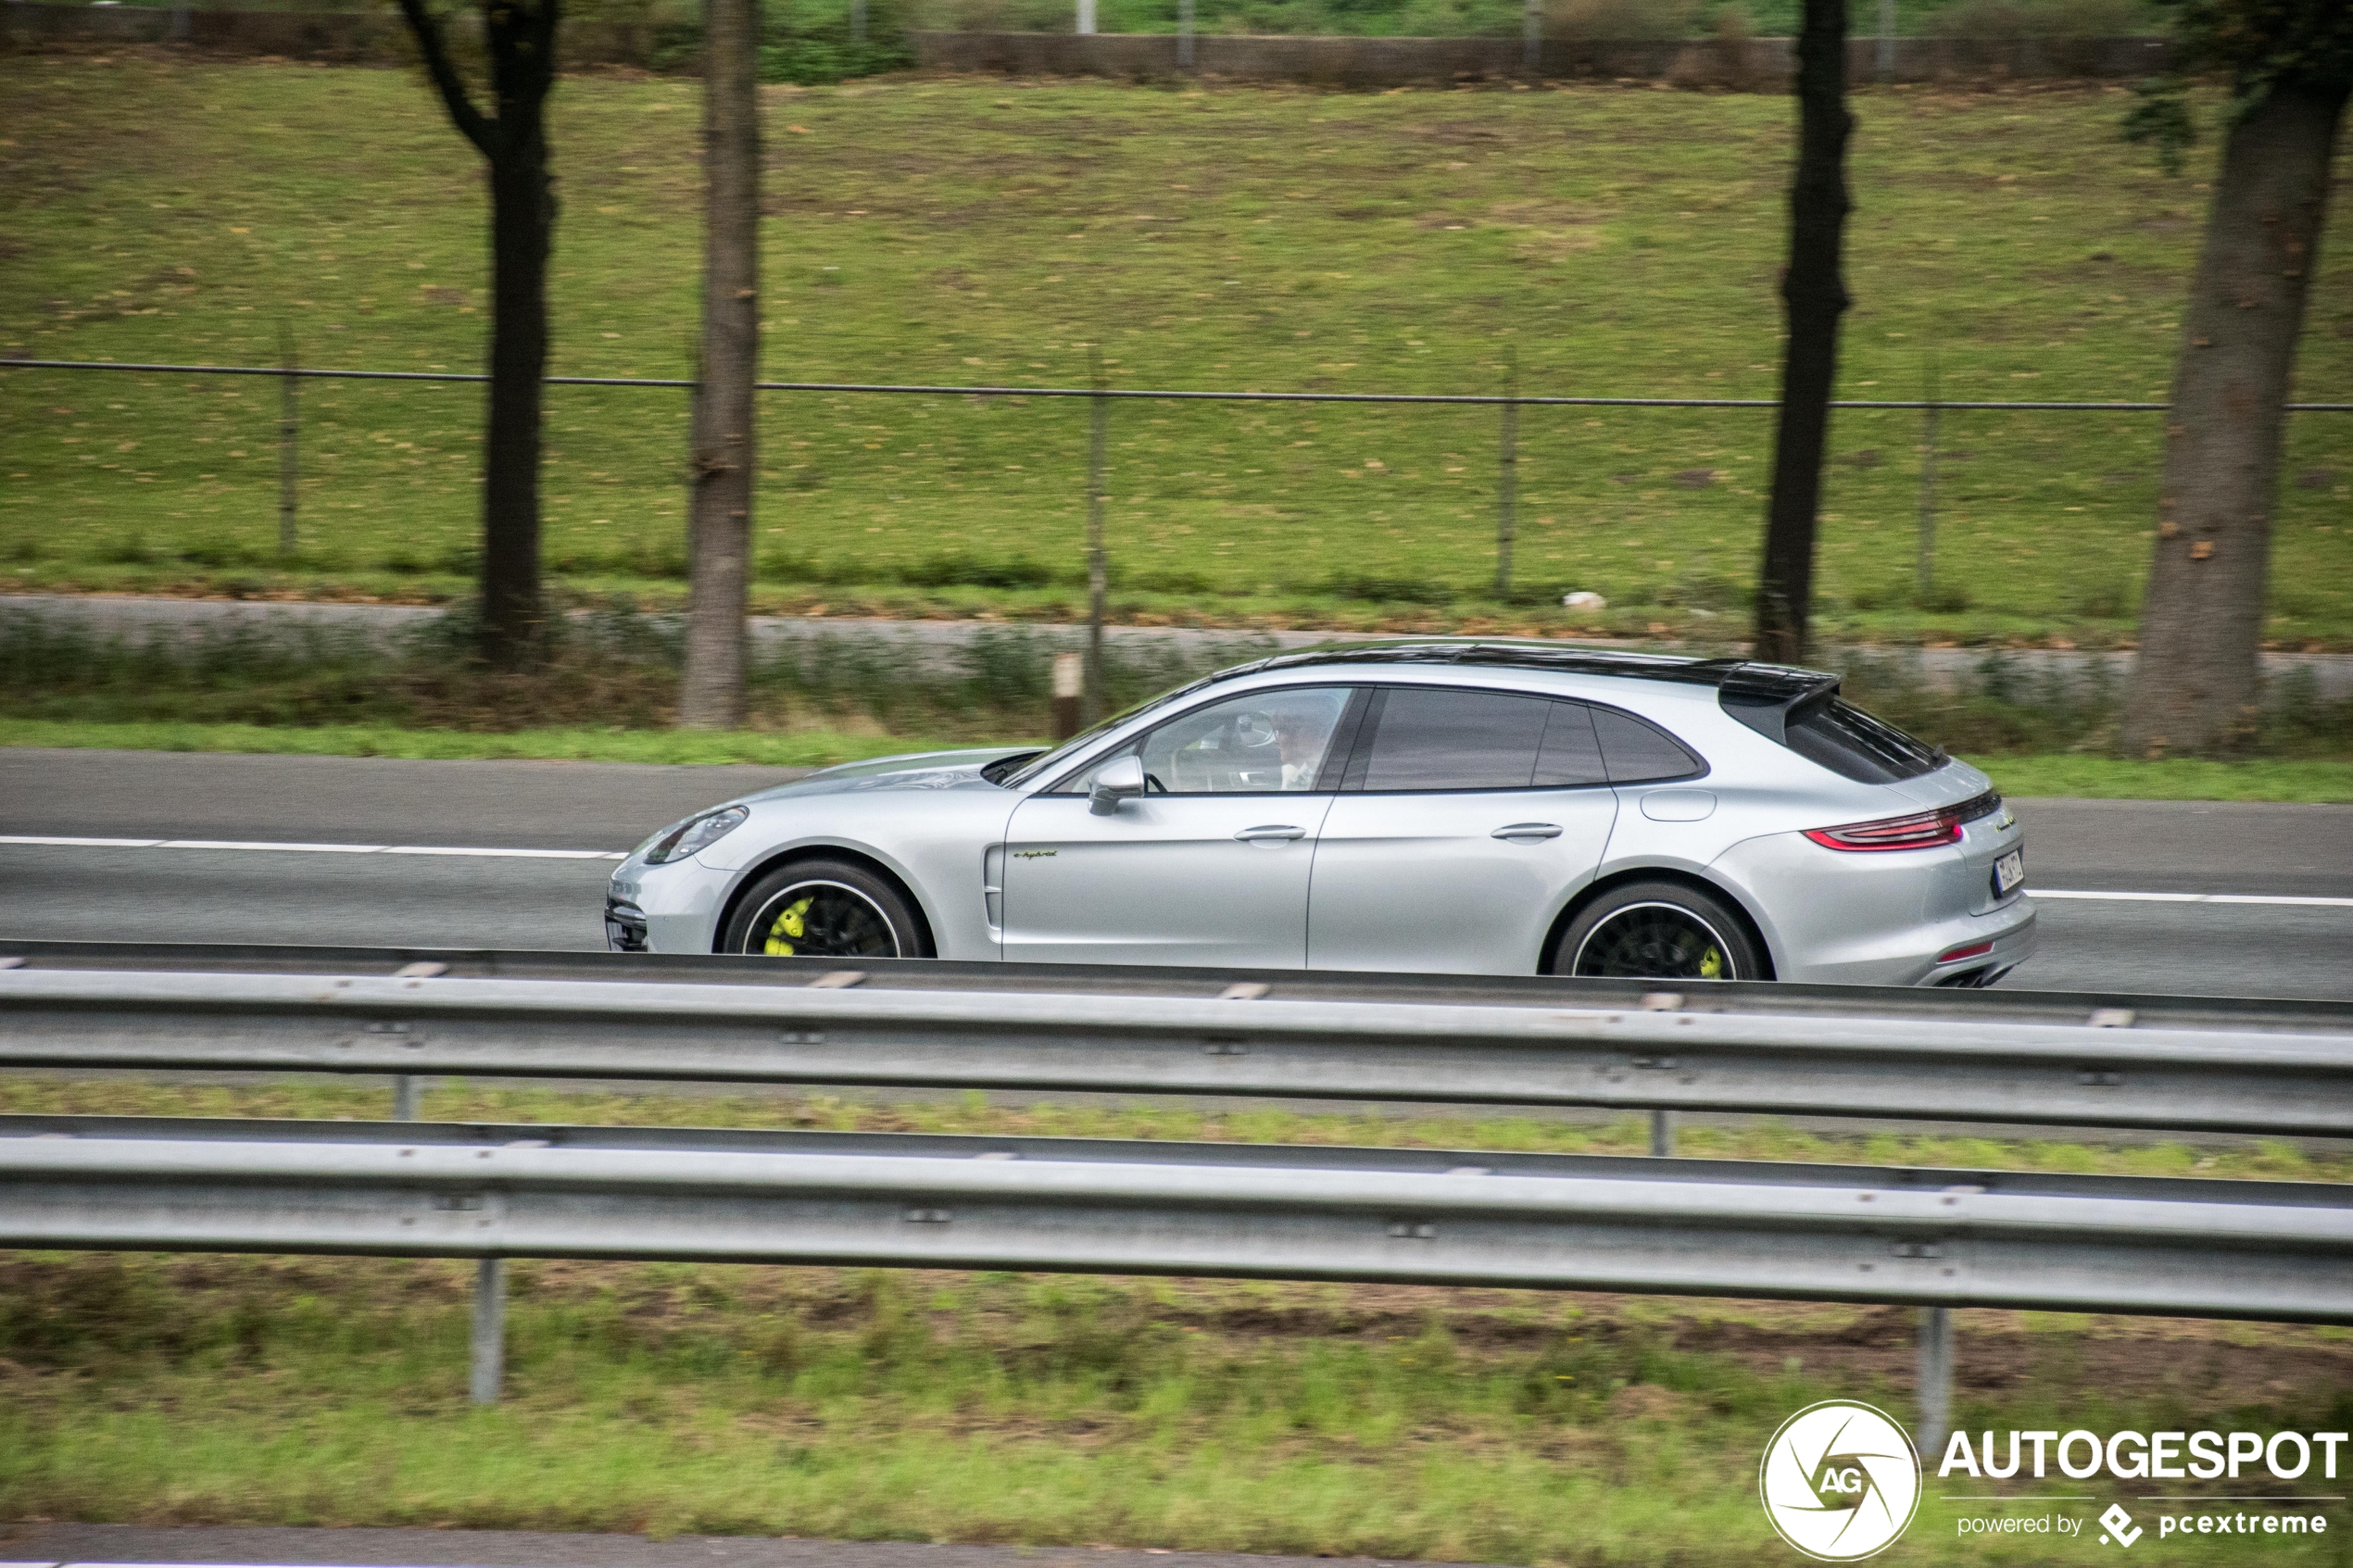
(1476, 807)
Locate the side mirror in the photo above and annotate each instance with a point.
(1115, 782)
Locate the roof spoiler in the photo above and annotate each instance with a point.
(1767, 697)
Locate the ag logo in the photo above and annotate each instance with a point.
(1840, 1480)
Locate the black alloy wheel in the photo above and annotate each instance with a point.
(1658, 931)
(824, 909)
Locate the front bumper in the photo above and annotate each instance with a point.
(666, 909)
(624, 925)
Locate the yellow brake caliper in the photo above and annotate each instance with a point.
(793, 922)
(1711, 963)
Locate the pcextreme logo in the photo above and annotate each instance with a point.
(1840, 1480)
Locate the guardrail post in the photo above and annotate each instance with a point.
(1532, 35)
(407, 1096)
(1662, 1134)
(1935, 1390)
(490, 1330)
(1184, 34)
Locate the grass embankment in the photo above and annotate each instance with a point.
(1617, 242)
(819, 749)
(1465, 1424)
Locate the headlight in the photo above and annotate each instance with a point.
(696, 835)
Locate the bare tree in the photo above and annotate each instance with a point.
(725, 424)
(520, 40)
(1814, 293)
(2196, 685)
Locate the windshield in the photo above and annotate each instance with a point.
(1036, 767)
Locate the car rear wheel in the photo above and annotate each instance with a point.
(824, 909)
(1659, 931)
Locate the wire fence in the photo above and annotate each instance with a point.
(1506, 403)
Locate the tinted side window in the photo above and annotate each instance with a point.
(1442, 738)
(1853, 744)
(1637, 752)
(1572, 753)
(1260, 742)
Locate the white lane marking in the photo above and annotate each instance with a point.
(295, 848)
(238, 847)
(2282, 898)
(513, 854)
(84, 843)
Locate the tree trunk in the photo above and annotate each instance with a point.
(522, 43)
(521, 220)
(2196, 685)
(725, 424)
(1815, 297)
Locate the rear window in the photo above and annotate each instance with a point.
(1853, 744)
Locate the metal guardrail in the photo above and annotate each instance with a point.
(1763, 998)
(2216, 1249)
(1546, 1050)
(1936, 1238)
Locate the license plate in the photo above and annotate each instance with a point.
(2008, 871)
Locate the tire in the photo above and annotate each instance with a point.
(824, 909)
(1659, 931)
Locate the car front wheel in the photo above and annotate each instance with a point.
(1658, 931)
(824, 909)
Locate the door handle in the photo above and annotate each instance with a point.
(1272, 834)
(1528, 830)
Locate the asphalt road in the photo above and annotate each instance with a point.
(89, 891)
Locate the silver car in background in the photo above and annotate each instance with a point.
(1435, 807)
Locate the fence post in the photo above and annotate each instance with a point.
(1507, 476)
(289, 441)
(1070, 684)
(1926, 569)
(1184, 34)
(1098, 572)
(490, 1331)
(1935, 1388)
(1532, 35)
(1087, 18)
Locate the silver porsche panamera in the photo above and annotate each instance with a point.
(1434, 807)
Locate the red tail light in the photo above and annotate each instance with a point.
(1922, 830)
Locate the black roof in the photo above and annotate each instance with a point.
(1742, 682)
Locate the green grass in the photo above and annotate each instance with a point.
(1480, 1425)
(1618, 242)
(809, 748)
(2104, 778)
(2096, 778)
